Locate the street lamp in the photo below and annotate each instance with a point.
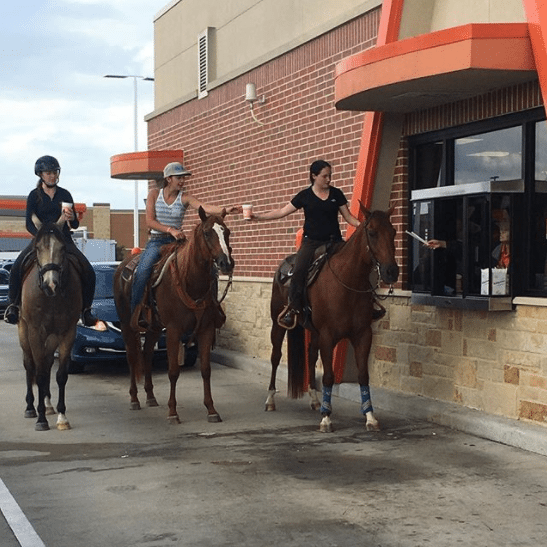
(136, 206)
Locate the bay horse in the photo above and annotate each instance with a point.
(186, 303)
(51, 301)
(341, 301)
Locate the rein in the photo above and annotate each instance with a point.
(376, 266)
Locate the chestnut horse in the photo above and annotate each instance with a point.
(186, 303)
(341, 301)
(51, 301)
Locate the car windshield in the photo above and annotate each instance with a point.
(104, 285)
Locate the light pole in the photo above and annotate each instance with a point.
(136, 205)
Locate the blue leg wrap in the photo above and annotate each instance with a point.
(366, 405)
(326, 407)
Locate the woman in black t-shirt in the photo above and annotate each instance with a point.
(321, 203)
(46, 202)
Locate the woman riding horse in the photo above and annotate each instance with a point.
(165, 210)
(48, 202)
(321, 203)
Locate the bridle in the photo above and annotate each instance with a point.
(50, 266)
(375, 266)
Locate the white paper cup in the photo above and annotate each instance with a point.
(66, 205)
(247, 211)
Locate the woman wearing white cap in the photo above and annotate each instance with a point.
(165, 210)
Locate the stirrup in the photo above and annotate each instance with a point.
(11, 315)
(288, 318)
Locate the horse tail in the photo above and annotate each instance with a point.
(296, 352)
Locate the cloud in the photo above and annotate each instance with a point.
(54, 99)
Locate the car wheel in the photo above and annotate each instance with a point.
(75, 368)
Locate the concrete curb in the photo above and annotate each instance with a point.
(526, 436)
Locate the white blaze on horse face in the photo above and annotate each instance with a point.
(221, 238)
(50, 277)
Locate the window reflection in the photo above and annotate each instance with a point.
(488, 156)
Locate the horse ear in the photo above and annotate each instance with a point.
(36, 221)
(202, 213)
(364, 210)
(223, 213)
(390, 210)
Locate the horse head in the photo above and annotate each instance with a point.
(50, 248)
(380, 235)
(217, 239)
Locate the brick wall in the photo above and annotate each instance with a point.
(234, 160)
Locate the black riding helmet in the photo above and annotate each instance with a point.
(46, 163)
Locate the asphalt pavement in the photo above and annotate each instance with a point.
(128, 478)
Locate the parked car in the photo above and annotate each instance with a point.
(104, 341)
(4, 285)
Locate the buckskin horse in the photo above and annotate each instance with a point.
(341, 302)
(185, 302)
(51, 301)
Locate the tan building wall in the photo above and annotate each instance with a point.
(242, 37)
(423, 16)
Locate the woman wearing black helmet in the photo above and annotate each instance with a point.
(45, 201)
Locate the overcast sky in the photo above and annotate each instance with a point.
(54, 99)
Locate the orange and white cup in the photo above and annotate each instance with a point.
(247, 211)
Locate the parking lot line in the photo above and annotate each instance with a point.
(18, 522)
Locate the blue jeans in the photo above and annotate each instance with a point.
(149, 257)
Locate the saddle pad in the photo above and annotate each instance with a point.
(129, 268)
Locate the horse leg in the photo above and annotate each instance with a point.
(277, 335)
(148, 356)
(134, 360)
(62, 378)
(205, 342)
(172, 341)
(30, 411)
(326, 349)
(42, 381)
(313, 353)
(362, 350)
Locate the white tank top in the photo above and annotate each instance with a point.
(169, 215)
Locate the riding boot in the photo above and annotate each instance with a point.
(377, 313)
(11, 315)
(88, 319)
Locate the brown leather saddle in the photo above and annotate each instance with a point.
(322, 254)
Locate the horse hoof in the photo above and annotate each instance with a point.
(315, 406)
(213, 418)
(135, 406)
(30, 414)
(50, 410)
(373, 427)
(65, 426)
(41, 426)
(269, 407)
(326, 425)
(152, 402)
(173, 420)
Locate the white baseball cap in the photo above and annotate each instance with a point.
(175, 168)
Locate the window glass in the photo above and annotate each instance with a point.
(538, 232)
(428, 160)
(495, 155)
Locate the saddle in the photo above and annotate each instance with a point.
(322, 254)
(147, 315)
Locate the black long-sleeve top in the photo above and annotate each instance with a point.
(49, 210)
